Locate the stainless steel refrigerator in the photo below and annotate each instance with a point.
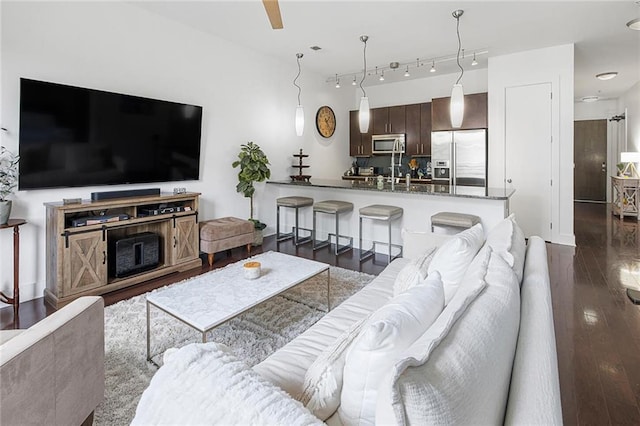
(460, 157)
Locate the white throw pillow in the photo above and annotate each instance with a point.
(507, 239)
(390, 330)
(414, 272)
(453, 258)
(415, 243)
(323, 380)
(458, 372)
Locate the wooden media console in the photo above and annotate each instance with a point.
(78, 254)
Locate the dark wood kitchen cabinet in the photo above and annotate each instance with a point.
(475, 113)
(425, 129)
(387, 120)
(412, 120)
(418, 129)
(359, 143)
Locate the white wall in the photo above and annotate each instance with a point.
(595, 110)
(422, 89)
(119, 47)
(630, 102)
(553, 65)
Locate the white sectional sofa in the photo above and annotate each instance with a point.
(487, 356)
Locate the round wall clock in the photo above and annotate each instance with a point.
(325, 121)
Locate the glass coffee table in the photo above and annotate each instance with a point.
(209, 300)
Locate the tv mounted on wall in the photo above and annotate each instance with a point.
(73, 136)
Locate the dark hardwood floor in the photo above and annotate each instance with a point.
(597, 326)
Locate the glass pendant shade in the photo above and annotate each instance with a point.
(299, 120)
(364, 115)
(457, 106)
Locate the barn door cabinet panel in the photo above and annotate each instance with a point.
(85, 263)
(185, 239)
(475, 113)
(79, 255)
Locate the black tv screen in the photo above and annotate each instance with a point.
(73, 136)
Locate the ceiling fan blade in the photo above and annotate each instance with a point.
(273, 12)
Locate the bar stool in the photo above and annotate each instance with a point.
(455, 220)
(295, 203)
(335, 208)
(383, 213)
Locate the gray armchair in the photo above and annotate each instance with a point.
(53, 372)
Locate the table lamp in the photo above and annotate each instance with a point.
(630, 158)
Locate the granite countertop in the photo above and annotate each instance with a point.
(401, 188)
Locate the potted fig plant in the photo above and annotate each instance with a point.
(254, 167)
(8, 181)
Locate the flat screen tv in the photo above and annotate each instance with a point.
(73, 136)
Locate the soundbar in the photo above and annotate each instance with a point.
(108, 195)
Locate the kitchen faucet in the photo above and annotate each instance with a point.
(397, 146)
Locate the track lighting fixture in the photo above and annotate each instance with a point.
(299, 110)
(456, 108)
(381, 72)
(337, 82)
(364, 113)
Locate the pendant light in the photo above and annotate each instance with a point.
(457, 93)
(299, 109)
(364, 113)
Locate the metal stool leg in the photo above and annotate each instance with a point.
(296, 232)
(279, 236)
(295, 239)
(346, 247)
(389, 223)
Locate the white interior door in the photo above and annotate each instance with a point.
(528, 156)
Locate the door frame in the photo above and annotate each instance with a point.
(607, 185)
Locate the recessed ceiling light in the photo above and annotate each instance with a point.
(634, 24)
(589, 99)
(315, 48)
(606, 75)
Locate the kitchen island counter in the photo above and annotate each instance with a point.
(401, 188)
(419, 202)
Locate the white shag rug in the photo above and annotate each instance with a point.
(252, 336)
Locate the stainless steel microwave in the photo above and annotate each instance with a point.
(387, 144)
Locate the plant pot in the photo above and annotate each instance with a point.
(5, 211)
(257, 237)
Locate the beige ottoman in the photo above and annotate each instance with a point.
(224, 234)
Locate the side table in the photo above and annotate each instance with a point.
(15, 300)
(626, 196)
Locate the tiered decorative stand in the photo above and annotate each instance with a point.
(300, 166)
